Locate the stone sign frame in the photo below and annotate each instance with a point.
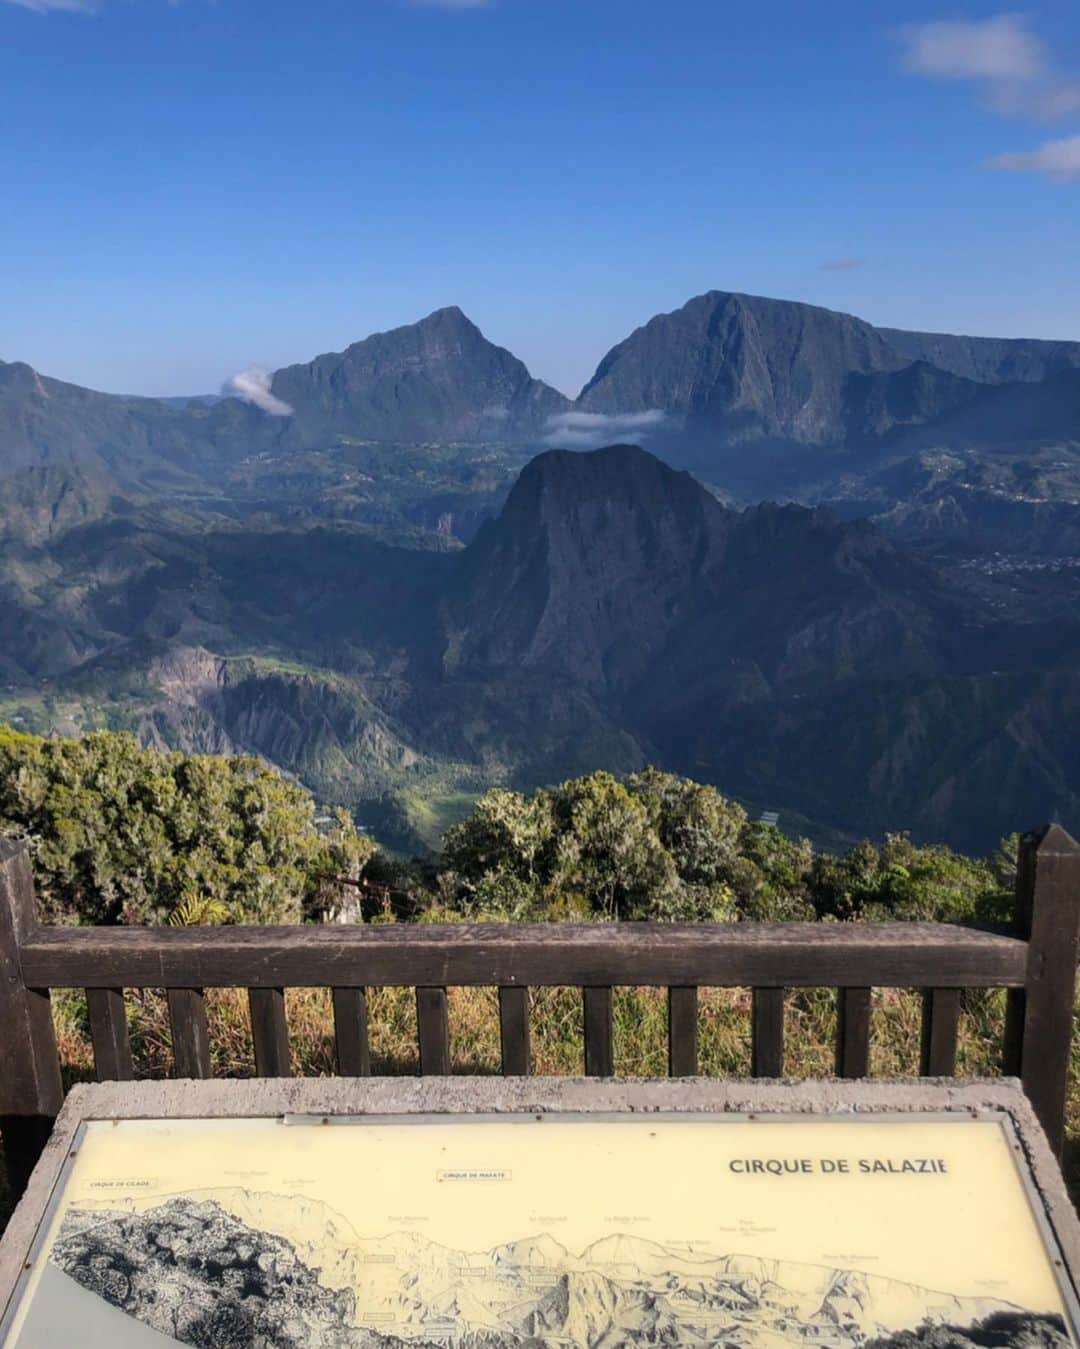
(332, 1098)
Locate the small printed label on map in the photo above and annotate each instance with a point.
(473, 1174)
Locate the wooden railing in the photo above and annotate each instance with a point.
(1035, 960)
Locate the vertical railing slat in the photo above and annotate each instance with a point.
(940, 1031)
(767, 1041)
(109, 1034)
(269, 1032)
(351, 1032)
(853, 1032)
(433, 1026)
(682, 1031)
(514, 1031)
(190, 1035)
(599, 1038)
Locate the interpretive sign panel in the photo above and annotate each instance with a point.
(572, 1230)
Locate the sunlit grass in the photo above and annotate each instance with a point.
(640, 1035)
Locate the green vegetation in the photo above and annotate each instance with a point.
(118, 833)
(663, 847)
(124, 834)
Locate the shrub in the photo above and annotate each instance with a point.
(659, 846)
(122, 834)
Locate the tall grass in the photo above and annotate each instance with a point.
(640, 1031)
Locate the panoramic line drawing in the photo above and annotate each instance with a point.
(236, 1267)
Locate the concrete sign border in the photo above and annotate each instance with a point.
(332, 1098)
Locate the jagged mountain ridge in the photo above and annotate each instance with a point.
(438, 381)
(728, 372)
(358, 1293)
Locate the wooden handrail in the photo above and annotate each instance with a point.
(882, 955)
(1036, 962)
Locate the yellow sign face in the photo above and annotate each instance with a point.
(525, 1232)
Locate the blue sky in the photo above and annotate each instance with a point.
(193, 187)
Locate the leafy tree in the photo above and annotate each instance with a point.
(659, 846)
(609, 851)
(771, 875)
(901, 879)
(699, 828)
(122, 834)
(651, 846)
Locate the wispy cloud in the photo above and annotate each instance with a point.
(1000, 48)
(56, 6)
(843, 264)
(253, 386)
(73, 6)
(591, 430)
(1048, 100)
(1057, 159)
(1015, 73)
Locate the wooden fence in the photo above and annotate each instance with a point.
(1035, 960)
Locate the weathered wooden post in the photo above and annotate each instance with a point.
(31, 1092)
(1039, 1028)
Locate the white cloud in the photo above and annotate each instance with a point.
(591, 430)
(1016, 75)
(1057, 159)
(1001, 48)
(253, 386)
(51, 6)
(843, 264)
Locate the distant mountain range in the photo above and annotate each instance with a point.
(389, 586)
(723, 373)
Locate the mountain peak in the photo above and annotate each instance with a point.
(563, 482)
(589, 547)
(450, 313)
(439, 379)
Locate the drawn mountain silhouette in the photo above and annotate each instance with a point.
(288, 1272)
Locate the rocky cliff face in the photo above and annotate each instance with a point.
(592, 561)
(746, 367)
(436, 380)
(611, 568)
(730, 371)
(989, 360)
